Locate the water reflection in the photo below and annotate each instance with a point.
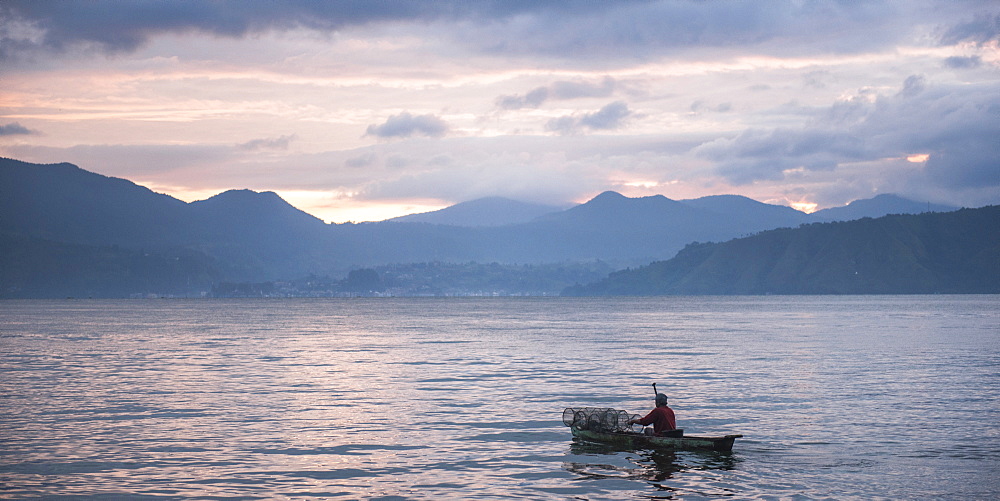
(605, 461)
(454, 399)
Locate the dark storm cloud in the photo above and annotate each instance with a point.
(609, 117)
(406, 125)
(956, 126)
(116, 26)
(564, 28)
(14, 129)
(124, 26)
(558, 90)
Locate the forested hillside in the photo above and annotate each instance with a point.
(954, 252)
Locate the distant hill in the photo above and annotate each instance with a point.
(490, 211)
(954, 252)
(749, 214)
(240, 207)
(248, 235)
(617, 229)
(63, 214)
(612, 207)
(881, 205)
(65, 203)
(258, 236)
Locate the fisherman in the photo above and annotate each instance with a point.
(662, 417)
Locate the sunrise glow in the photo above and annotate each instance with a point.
(807, 207)
(410, 105)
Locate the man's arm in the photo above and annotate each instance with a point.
(644, 421)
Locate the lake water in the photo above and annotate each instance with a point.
(837, 397)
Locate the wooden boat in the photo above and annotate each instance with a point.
(641, 441)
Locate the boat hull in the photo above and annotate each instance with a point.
(640, 441)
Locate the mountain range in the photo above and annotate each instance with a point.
(489, 211)
(55, 214)
(498, 211)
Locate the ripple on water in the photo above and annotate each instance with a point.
(409, 399)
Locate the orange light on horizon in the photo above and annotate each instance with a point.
(807, 207)
(343, 207)
(918, 158)
(329, 206)
(641, 184)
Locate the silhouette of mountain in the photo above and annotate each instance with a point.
(240, 207)
(65, 203)
(241, 235)
(614, 208)
(250, 235)
(258, 236)
(881, 205)
(751, 215)
(490, 211)
(954, 252)
(612, 227)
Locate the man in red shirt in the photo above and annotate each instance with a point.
(662, 417)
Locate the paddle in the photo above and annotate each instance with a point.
(654, 393)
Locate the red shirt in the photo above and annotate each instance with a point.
(662, 419)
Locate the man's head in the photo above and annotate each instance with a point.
(661, 399)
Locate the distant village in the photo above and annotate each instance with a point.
(419, 280)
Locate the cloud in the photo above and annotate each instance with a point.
(272, 143)
(406, 125)
(559, 90)
(956, 126)
(970, 162)
(610, 117)
(143, 161)
(913, 85)
(115, 26)
(563, 125)
(755, 154)
(572, 29)
(982, 29)
(14, 129)
(120, 27)
(754, 85)
(959, 62)
(625, 32)
(492, 170)
(365, 159)
(532, 99)
(700, 106)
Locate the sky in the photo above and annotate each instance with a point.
(365, 110)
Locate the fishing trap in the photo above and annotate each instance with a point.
(600, 419)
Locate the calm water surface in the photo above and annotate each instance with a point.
(838, 397)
